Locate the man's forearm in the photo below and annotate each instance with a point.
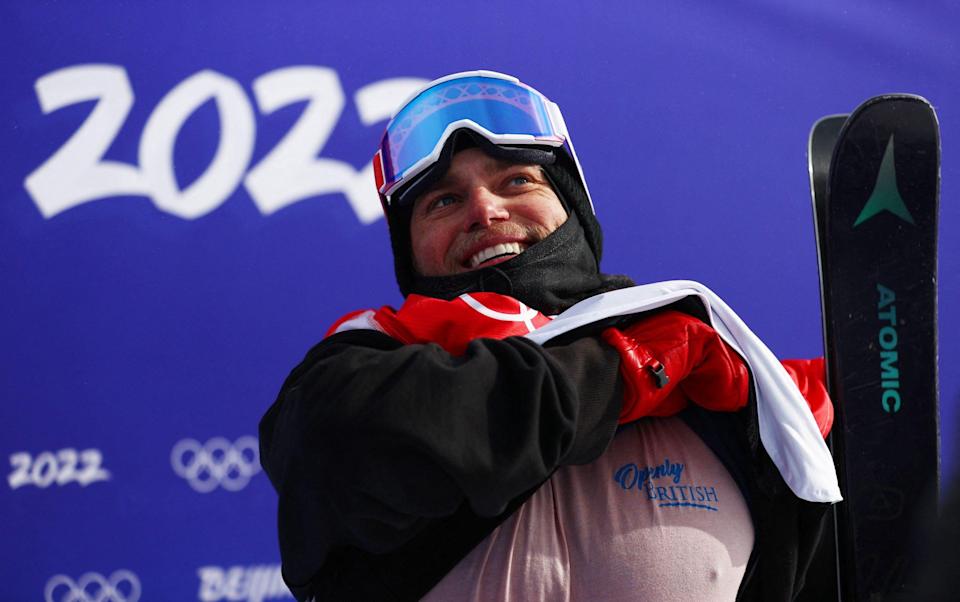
(393, 433)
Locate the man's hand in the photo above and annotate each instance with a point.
(670, 358)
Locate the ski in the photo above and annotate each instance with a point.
(823, 138)
(876, 209)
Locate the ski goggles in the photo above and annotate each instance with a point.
(496, 106)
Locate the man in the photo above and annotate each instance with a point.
(468, 447)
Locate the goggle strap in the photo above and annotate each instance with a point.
(556, 117)
(378, 178)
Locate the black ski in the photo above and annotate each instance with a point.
(876, 209)
(823, 585)
(823, 139)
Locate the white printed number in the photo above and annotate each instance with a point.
(65, 466)
(292, 171)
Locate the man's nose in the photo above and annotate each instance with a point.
(484, 208)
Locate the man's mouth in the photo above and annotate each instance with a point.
(491, 255)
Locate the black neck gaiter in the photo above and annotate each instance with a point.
(550, 276)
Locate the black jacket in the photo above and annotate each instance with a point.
(393, 461)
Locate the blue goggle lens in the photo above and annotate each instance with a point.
(501, 107)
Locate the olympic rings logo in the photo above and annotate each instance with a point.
(122, 586)
(216, 463)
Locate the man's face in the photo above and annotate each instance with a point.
(482, 212)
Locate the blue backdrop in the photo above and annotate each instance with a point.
(186, 205)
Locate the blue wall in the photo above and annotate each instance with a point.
(153, 302)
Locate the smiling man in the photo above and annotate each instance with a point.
(438, 452)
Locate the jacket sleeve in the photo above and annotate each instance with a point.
(370, 439)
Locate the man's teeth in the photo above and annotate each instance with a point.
(507, 248)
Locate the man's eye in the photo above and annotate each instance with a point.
(520, 180)
(441, 201)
